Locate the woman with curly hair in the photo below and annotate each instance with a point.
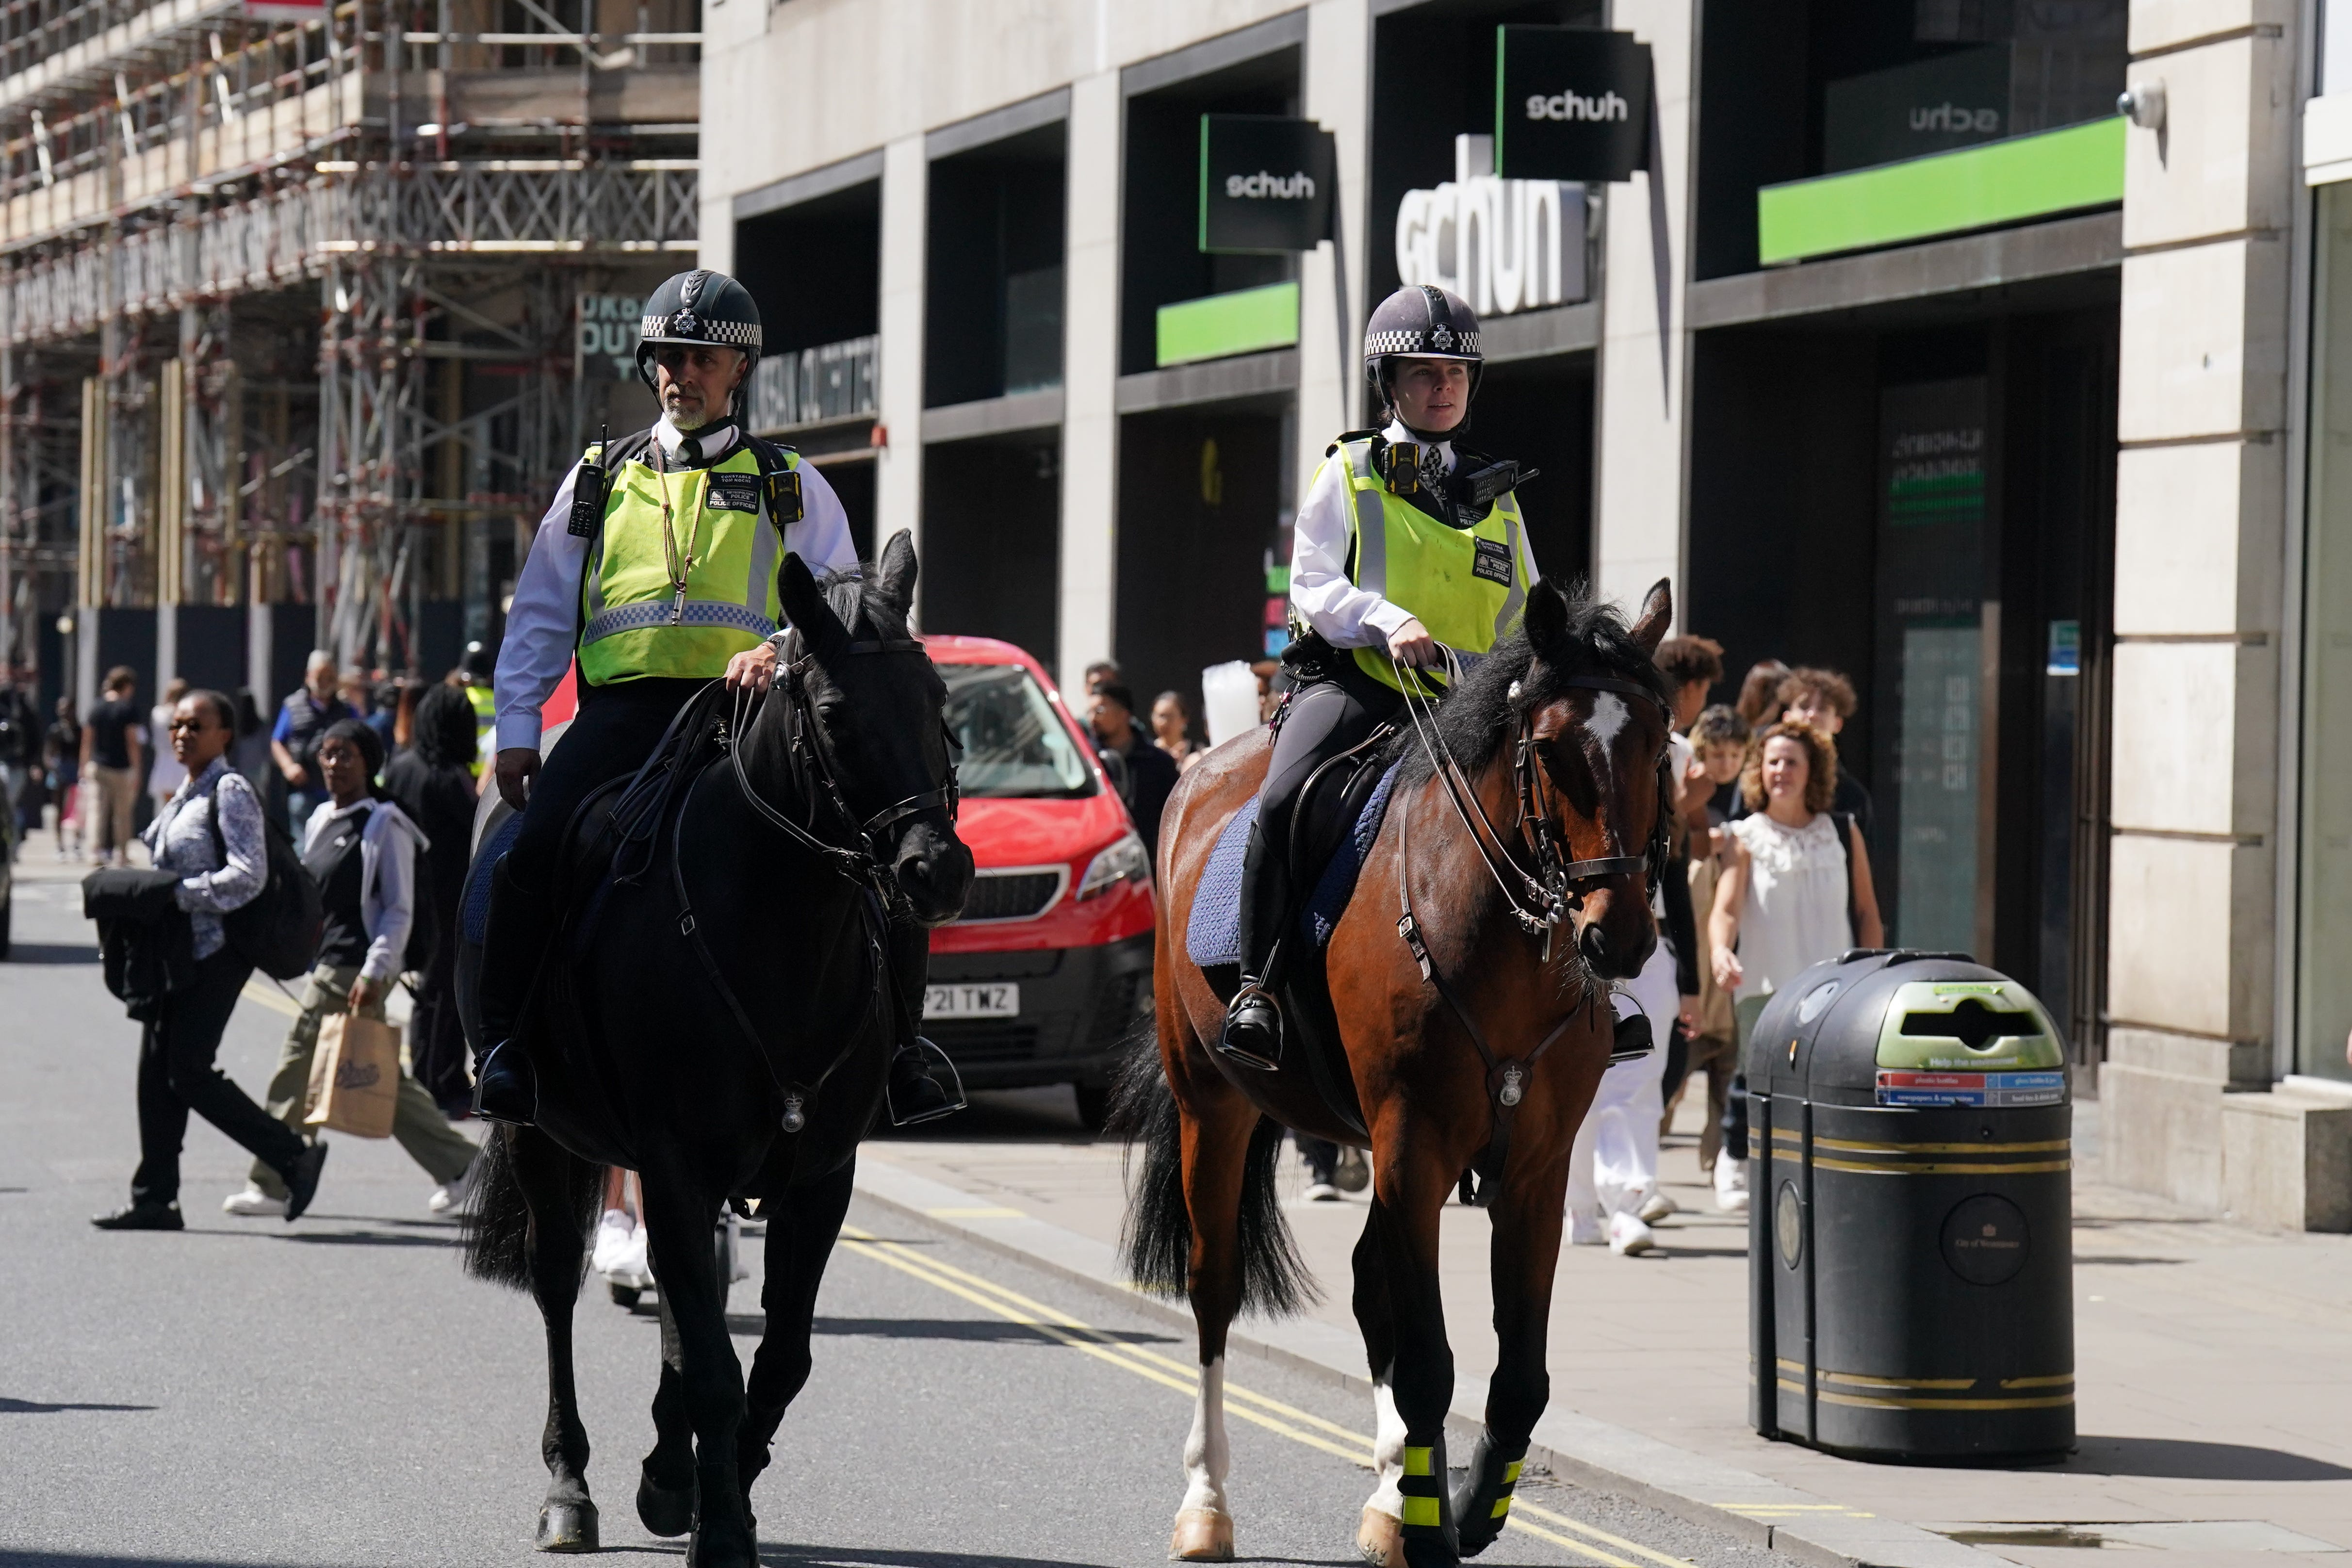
(1796, 887)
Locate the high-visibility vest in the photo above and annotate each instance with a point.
(632, 624)
(485, 714)
(1466, 586)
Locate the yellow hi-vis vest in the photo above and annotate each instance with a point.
(486, 715)
(632, 625)
(1467, 586)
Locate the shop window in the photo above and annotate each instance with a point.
(992, 315)
(2324, 896)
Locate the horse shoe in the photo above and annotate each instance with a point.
(1202, 1535)
(1380, 1538)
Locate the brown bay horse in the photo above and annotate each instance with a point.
(1519, 847)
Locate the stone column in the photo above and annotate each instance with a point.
(1090, 270)
(2199, 513)
(1330, 337)
(1644, 360)
(898, 469)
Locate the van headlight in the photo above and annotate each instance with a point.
(1124, 861)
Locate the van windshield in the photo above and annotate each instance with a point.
(1015, 745)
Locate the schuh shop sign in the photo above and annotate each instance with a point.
(1266, 183)
(1571, 103)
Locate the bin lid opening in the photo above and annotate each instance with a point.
(1972, 1023)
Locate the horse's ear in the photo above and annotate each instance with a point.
(1546, 617)
(1657, 615)
(897, 576)
(805, 604)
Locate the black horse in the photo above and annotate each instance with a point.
(719, 1018)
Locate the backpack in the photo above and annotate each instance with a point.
(278, 930)
(423, 919)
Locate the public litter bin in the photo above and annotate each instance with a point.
(1910, 1251)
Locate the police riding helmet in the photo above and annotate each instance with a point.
(1419, 321)
(698, 307)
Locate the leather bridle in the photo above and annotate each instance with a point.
(1540, 900)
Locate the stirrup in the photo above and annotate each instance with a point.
(504, 1091)
(949, 1099)
(1257, 1000)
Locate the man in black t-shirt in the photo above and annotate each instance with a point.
(114, 750)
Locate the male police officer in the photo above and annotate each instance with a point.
(662, 579)
(1406, 545)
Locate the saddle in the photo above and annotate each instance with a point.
(1340, 812)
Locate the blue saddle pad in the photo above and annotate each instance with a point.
(474, 912)
(1213, 937)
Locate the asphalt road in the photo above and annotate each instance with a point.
(334, 1392)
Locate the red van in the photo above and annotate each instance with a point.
(1050, 965)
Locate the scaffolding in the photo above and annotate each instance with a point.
(288, 302)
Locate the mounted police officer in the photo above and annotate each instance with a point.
(657, 568)
(1407, 546)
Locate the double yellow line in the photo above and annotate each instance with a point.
(1288, 1420)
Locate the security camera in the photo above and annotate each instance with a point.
(2142, 104)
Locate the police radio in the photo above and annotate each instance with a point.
(588, 489)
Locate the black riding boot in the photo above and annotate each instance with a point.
(1252, 1033)
(915, 1095)
(513, 944)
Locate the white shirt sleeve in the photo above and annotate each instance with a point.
(1320, 591)
(540, 623)
(821, 537)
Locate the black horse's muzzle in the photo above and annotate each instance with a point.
(933, 869)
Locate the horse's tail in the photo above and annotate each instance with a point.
(1156, 1241)
(495, 1225)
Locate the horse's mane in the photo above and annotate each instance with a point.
(1479, 715)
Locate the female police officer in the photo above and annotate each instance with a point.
(663, 580)
(1405, 545)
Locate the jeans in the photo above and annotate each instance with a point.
(176, 1075)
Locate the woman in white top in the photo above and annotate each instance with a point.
(1783, 897)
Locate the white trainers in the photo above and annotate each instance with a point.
(628, 1265)
(1731, 1185)
(1322, 1193)
(453, 1193)
(1657, 1207)
(613, 1234)
(1585, 1230)
(253, 1204)
(1628, 1237)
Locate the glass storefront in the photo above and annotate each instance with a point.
(2324, 926)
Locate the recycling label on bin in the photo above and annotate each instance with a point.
(1968, 1026)
(1992, 1091)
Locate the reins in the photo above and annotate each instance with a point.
(862, 866)
(1539, 902)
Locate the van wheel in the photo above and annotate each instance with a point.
(1094, 1105)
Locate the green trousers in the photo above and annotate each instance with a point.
(418, 1123)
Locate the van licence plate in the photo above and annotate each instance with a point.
(983, 999)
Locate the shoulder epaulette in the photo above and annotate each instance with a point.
(1348, 436)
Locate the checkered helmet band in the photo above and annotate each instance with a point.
(686, 327)
(1418, 341)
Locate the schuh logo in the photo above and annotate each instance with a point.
(1575, 106)
(1298, 187)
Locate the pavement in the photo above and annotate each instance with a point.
(2212, 1362)
(336, 1392)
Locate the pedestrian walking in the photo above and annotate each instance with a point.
(362, 849)
(114, 747)
(1720, 741)
(303, 721)
(1171, 728)
(1146, 775)
(165, 776)
(432, 781)
(1692, 665)
(1795, 886)
(210, 833)
(61, 757)
(1825, 700)
(1758, 703)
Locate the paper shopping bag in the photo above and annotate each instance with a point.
(355, 1076)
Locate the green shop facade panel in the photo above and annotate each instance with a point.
(2003, 182)
(1247, 320)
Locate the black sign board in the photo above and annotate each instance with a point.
(1266, 183)
(1571, 103)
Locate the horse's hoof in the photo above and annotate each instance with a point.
(1380, 1538)
(1202, 1535)
(567, 1527)
(662, 1509)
